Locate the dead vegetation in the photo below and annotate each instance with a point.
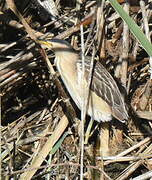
(40, 125)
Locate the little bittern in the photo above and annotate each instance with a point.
(105, 99)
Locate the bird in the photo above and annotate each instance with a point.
(105, 99)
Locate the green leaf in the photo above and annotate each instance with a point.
(134, 28)
(58, 144)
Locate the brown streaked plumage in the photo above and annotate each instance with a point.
(105, 99)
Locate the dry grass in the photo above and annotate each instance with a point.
(40, 125)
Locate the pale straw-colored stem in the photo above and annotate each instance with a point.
(83, 109)
(146, 28)
(124, 67)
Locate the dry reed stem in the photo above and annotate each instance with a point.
(129, 150)
(144, 176)
(129, 170)
(38, 160)
(32, 33)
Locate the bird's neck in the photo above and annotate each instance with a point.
(66, 64)
(69, 57)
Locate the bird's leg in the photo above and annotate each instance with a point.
(104, 139)
(87, 134)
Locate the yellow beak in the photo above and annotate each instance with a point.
(45, 44)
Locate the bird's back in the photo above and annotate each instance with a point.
(105, 87)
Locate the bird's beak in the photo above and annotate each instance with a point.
(45, 44)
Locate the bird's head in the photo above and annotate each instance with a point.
(56, 45)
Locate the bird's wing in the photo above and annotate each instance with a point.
(106, 88)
